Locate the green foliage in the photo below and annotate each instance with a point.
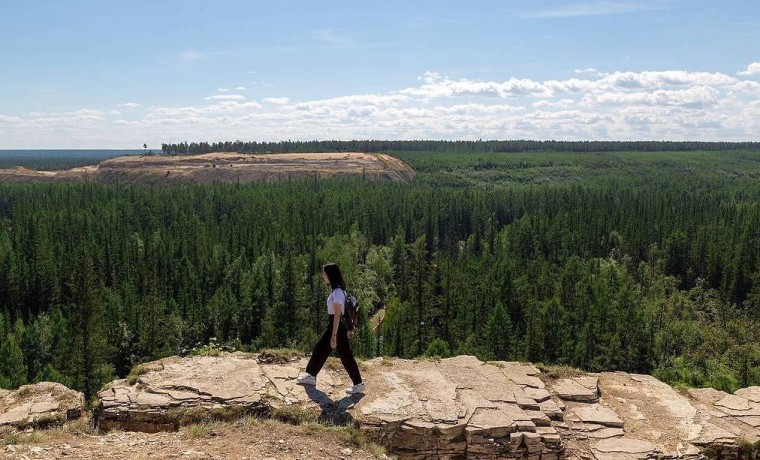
(136, 372)
(498, 334)
(12, 367)
(438, 348)
(637, 261)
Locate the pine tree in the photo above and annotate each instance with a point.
(12, 367)
(499, 333)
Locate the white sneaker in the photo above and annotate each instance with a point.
(358, 388)
(306, 379)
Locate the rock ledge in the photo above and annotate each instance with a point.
(453, 408)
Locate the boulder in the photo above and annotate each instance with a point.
(39, 405)
(582, 389)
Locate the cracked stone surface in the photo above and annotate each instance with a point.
(453, 408)
(40, 404)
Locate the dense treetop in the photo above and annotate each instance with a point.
(452, 146)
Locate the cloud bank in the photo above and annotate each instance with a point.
(647, 105)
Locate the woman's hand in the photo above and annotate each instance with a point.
(333, 342)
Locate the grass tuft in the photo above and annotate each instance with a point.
(295, 415)
(278, 355)
(559, 372)
(136, 372)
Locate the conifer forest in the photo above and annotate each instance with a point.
(644, 260)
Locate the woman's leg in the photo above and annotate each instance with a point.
(321, 353)
(347, 356)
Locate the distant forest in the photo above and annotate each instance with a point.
(634, 261)
(195, 148)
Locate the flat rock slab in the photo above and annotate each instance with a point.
(596, 414)
(39, 405)
(623, 448)
(660, 422)
(581, 389)
(451, 408)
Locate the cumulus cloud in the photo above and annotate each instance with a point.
(752, 69)
(9, 119)
(436, 86)
(130, 105)
(621, 105)
(240, 88)
(547, 103)
(190, 111)
(277, 100)
(697, 97)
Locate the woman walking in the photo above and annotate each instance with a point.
(335, 336)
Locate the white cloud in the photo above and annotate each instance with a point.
(6, 119)
(752, 69)
(586, 70)
(228, 97)
(192, 55)
(593, 9)
(130, 105)
(699, 96)
(661, 79)
(436, 86)
(86, 113)
(622, 105)
(210, 110)
(223, 90)
(276, 100)
(262, 84)
(240, 88)
(563, 103)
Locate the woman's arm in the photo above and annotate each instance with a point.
(336, 323)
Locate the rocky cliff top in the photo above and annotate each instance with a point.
(39, 405)
(452, 408)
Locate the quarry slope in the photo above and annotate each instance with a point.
(221, 167)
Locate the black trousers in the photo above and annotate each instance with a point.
(322, 351)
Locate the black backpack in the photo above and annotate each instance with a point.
(351, 311)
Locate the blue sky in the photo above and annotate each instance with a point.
(106, 74)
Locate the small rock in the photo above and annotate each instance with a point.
(347, 452)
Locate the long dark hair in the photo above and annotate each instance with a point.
(334, 275)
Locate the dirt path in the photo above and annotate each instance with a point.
(246, 439)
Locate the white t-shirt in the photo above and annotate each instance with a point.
(336, 296)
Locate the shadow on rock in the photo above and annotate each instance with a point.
(333, 412)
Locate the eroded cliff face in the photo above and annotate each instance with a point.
(453, 408)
